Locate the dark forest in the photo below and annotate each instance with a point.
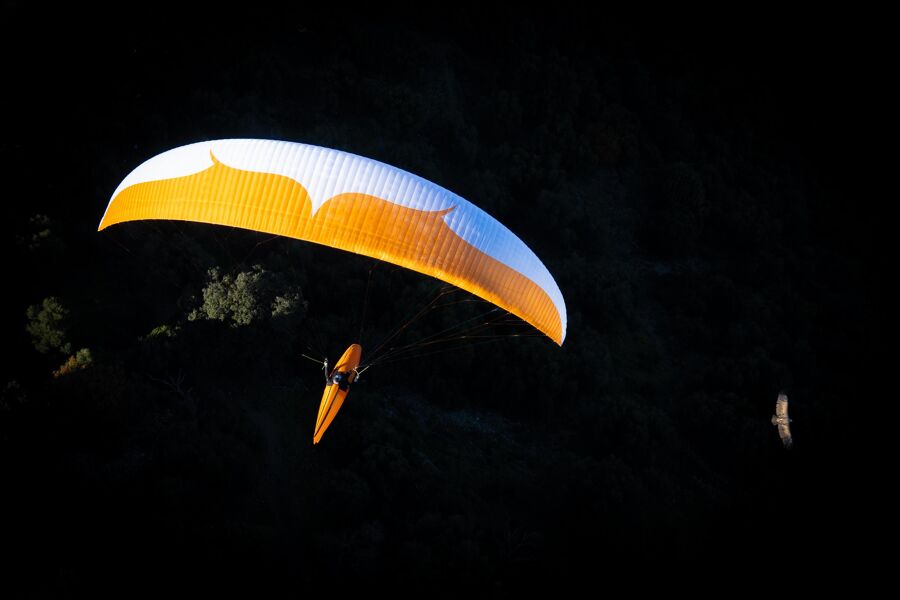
(690, 189)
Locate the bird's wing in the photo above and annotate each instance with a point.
(784, 432)
(781, 406)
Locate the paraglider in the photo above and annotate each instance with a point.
(337, 384)
(348, 202)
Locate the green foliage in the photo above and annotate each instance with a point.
(37, 235)
(84, 357)
(80, 360)
(41, 226)
(288, 304)
(48, 326)
(163, 331)
(247, 297)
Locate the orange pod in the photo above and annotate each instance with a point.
(333, 397)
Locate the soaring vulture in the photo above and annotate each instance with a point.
(781, 420)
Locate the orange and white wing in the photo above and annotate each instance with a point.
(349, 202)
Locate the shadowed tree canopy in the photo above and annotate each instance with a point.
(47, 326)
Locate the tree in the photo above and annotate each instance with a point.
(48, 326)
(248, 296)
(78, 361)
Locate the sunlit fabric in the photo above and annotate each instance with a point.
(349, 202)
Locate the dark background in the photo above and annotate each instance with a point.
(697, 187)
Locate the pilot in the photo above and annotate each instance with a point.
(341, 379)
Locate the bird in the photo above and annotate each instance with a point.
(781, 420)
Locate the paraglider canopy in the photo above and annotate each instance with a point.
(349, 202)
